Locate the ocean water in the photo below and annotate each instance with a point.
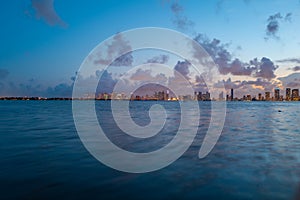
(256, 157)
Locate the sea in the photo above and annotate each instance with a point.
(256, 157)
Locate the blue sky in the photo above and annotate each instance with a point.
(44, 46)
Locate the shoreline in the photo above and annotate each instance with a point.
(95, 99)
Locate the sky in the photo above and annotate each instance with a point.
(43, 42)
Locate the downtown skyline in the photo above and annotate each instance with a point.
(167, 95)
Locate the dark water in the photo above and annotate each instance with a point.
(257, 156)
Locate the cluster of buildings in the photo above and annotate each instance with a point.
(290, 95)
(37, 98)
(157, 96)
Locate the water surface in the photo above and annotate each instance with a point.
(257, 156)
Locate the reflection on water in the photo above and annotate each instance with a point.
(256, 157)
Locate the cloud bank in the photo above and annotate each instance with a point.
(263, 68)
(292, 80)
(119, 46)
(289, 60)
(161, 59)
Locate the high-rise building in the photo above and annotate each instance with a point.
(160, 95)
(276, 94)
(199, 97)
(259, 97)
(206, 96)
(221, 96)
(288, 94)
(281, 98)
(167, 95)
(248, 97)
(295, 94)
(267, 96)
(231, 94)
(227, 97)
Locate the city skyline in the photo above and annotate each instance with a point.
(291, 94)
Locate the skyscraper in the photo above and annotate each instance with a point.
(267, 96)
(221, 96)
(288, 94)
(206, 96)
(167, 95)
(295, 94)
(276, 94)
(259, 97)
(199, 97)
(249, 97)
(231, 94)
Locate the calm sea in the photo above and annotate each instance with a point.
(256, 157)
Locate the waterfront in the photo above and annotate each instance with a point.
(256, 157)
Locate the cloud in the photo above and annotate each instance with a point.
(296, 68)
(216, 50)
(106, 83)
(161, 59)
(273, 24)
(176, 8)
(45, 9)
(178, 79)
(129, 82)
(145, 75)
(101, 79)
(141, 75)
(228, 84)
(60, 90)
(118, 46)
(239, 68)
(223, 58)
(289, 60)
(264, 68)
(292, 80)
(33, 88)
(200, 84)
(263, 84)
(124, 60)
(294, 84)
(288, 17)
(258, 82)
(180, 20)
(3, 73)
(219, 6)
(183, 68)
